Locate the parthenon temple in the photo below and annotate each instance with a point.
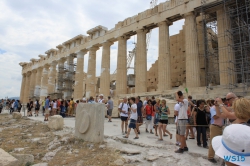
(210, 55)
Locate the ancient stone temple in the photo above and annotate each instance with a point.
(209, 53)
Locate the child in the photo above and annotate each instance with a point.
(133, 118)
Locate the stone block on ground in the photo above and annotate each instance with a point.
(6, 159)
(130, 151)
(89, 124)
(56, 122)
(41, 164)
(23, 159)
(17, 115)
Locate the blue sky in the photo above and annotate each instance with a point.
(29, 28)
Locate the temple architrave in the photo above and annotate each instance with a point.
(180, 61)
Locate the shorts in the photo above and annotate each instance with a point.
(163, 121)
(132, 124)
(181, 126)
(156, 121)
(124, 118)
(140, 120)
(47, 111)
(109, 112)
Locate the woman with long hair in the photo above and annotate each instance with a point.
(149, 116)
(164, 112)
(157, 108)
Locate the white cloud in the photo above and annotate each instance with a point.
(29, 28)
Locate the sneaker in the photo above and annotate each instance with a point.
(185, 149)
(179, 151)
(212, 160)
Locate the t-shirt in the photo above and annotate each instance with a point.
(134, 114)
(183, 109)
(201, 118)
(124, 107)
(100, 100)
(47, 103)
(145, 103)
(176, 108)
(149, 110)
(139, 106)
(219, 121)
(110, 104)
(164, 115)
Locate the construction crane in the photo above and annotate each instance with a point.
(131, 54)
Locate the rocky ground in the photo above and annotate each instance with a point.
(57, 148)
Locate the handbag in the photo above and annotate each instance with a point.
(148, 117)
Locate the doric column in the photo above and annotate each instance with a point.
(38, 82)
(52, 78)
(27, 88)
(68, 77)
(226, 54)
(22, 91)
(91, 75)
(192, 51)
(32, 83)
(105, 69)
(164, 59)
(141, 62)
(60, 76)
(121, 74)
(44, 82)
(79, 89)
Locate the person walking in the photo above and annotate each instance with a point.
(47, 106)
(139, 121)
(200, 121)
(37, 107)
(110, 106)
(164, 112)
(149, 109)
(133, 118)
(123, 109)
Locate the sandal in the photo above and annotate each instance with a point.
(191, 138)
(171, 136)
(151, 132)
(165, 135)
(136, 138)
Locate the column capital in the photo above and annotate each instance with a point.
(93, 48)
(107, 43)
(188, 14)
(81, 53)
(166, 22)
(40, 69)
(46, 66)
(62, 60)
(123, 37)
(28, 73)
(53, 63)
(34, 71)
(24, 74)
(142, 31)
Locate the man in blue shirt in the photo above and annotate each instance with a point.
(47, 103)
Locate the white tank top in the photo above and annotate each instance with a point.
(54, 105)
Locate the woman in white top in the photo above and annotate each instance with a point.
(133, 118)
(54, 107)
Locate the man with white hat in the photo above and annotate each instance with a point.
(100, 100)
(84, 100)
(234, 145)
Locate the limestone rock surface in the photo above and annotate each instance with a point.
(23, 159)
(130, 151)
(17, 115)
(6, 159)
(41, 164)
(89, 124)
(56, 122)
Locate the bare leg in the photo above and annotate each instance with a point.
(160, 130)
(156, 126)
(127, 135)
(136, 134)
(122, 126)
(126, 126)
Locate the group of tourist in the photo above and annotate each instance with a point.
(10, 105)
(201, 120)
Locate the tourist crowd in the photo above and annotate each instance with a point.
(225, 122)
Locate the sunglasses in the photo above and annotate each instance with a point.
(229, 98)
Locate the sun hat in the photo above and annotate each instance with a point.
(101, 95)
(234, 144)
(84, 99)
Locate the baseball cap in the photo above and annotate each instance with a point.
(234, 145)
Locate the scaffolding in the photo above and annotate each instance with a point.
(237, 16)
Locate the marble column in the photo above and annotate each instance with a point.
(164, 59)
(91, 74)
(38, 82)
(226, 53)
(79, 89)
(22, 91)
(60, 76)
(121, 74)
(27, 88)
(105, 69)
(52, 78)
(68, 90)
(44, 82)
(32, 84)
(141, 62)
(192, 51)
